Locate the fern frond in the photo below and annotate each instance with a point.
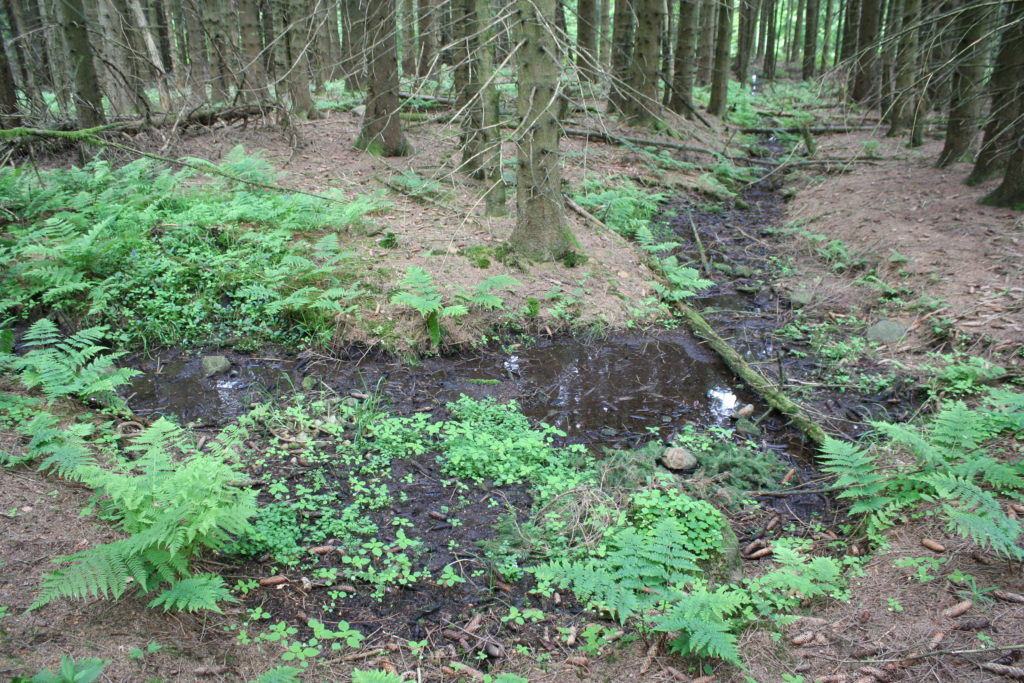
(287, 674)
(201, 592)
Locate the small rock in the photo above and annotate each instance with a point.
(745, 411)
(743, 271)
(676, 458)
(213, 365)
(799, 298)
(885, 332)
(747, 427)
(359, 109)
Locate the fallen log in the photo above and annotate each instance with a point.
(816, 130)
(614, 139)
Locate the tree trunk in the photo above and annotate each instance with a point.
(1011, 191)
(605, 40)
(851, 26)
(381, 131)
(586, 39)
(89, 99)
(161, 27)
(156, 62)
(1007, 75)
(541, 232)
(467, 87)
(681, 93)
(865, 82)
(30, 48)
(63, 75)
(826, 40)
(720, 76)
(254, 78)
(893, 20)
(427, 46)
(353, 44)
(409, 33)
(796, 38)
(907, 60)
(807, 71)
(489, 103)
(745, 41)
(622, 54)
(965, 99)
(198, 70)
(666, 39)
(706, 48)
(641, 97)
(9, 116)
(770, 47)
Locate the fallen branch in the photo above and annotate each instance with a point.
(817, 130)
(815, 162)
(614, 139)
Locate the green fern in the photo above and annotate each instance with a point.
(420, 294)
(69, 366)
(483, 295)
(376, 677)
(858, 478)
(703, 620)
(684, 282)
(200, 592)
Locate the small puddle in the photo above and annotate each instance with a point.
(617, 391)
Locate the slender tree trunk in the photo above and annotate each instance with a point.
(218, 18)
(605, 40)
(797, 36)
(353, 44)
(153, 50)
(161, 27)
(198, 71)
(1006, 80)
(88, 98)
(826, 40)
(541, 232)
(745, 41)
(762, 31)
(641, 98)
(771, 49)
(490, 140)
(467, 89)
(427, 47)
(807, 71)
(30, 47)
(408, 46)
(720, 76)
(965, 100)
(851, 26)
(681, 93)
(63, 72)
(865, 82)
(907, 66)
(586, 39)
(706, 49)
(381, 131)
(666, 40)
(622, 52)
(300, 41)
(893, 20)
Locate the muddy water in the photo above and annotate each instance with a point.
(619, 390)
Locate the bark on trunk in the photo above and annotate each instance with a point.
(770, 40)
(965, 101)
(681, 97)
(706, 50)
(622, 52)
(1011, 191)
(586, 39)
(353, 44)
(541, 232)
(907, 60)
(9, 116)
(427, 55)
(254, 77)
(807, 71)
(641, 101)
(865, 82)
(1007, 76)
(720, 77)
(88, 98)
(745, 41)
(381, 131)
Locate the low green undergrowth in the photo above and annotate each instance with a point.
(168, 258)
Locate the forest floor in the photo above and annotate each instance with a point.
(893, 239)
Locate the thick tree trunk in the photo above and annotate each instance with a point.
(88, 98)
(720, 76)
(353, 44)
(622, 54)
(1007, 77)
(605, 39)
(807, 71)
(907, 61)
(586, 39)
(489, 141)
(641, 98)
(1011, 191)
(851, 26)
(198, 70)
(408, 44)
(681, 93)
(9, 116)
(770, 41)
(865, 81)
(541, 232)
(254, 78)
(30, 48)
(299, 42)
(796, 38)
(965, 99)
(381, 131)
